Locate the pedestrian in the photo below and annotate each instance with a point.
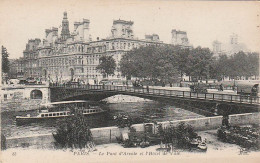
(221, 87)
(234, 87)
(163, 84)
(225, 121)
(147, 88)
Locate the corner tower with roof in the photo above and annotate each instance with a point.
(81, 31)
(122, 29)
(179, 38)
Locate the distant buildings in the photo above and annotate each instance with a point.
(153, 37)
(232, 47)
(179, 38)
(30, 58)
(16, 68)
(217, 47)
(74, 56)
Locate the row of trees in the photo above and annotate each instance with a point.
(235, 66)
(167, 63)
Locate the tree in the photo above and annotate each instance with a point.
(179, 136)
(166, 64)
(199, 61)
(223, 65)
(240, 64)
(107, 65)
(151, 62)
(181, 56)
(253, 66)
(213, 70)
(5, 60)
(3, 142)
(73, 132)
(127, 66)
(123, 120)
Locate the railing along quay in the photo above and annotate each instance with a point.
(247, 99)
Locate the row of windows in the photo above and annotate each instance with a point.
(88, 70)
(109, 45)
(88, 111)
(66, 113)
(54, 114)
(61, 61)
(93, 47)
(98, 49)
(91, 59)
(30, 56)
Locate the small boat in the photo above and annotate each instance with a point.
(45, 114)
(194, 143)
(202, 146)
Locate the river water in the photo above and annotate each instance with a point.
(139, 109)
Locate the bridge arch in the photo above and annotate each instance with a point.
(36, 94)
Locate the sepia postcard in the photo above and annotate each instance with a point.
(129, 81)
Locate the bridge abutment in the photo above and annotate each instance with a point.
(31, 90)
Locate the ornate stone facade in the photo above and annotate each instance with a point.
(75, 56)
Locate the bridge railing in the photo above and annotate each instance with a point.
(163, 92)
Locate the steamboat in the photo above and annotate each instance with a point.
(57, 110)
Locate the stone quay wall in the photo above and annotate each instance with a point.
(107, 135)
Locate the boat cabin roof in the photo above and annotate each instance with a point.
(64, 102)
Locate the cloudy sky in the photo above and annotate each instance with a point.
(204, 21)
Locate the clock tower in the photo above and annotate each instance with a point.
(65, 32)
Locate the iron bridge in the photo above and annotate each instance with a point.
(60, 92)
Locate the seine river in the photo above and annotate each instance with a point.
(140, 111)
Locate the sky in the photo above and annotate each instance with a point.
(204, 21)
